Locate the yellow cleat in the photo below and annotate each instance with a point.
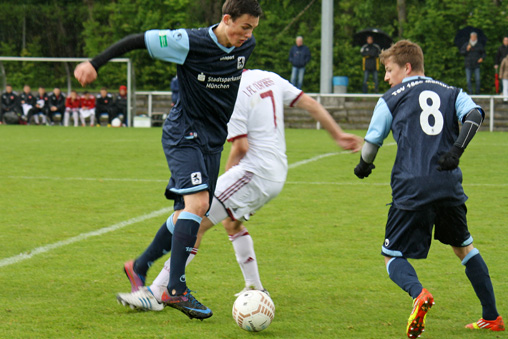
(416, 321)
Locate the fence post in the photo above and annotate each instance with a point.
(491, 120)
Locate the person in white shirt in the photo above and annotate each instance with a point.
(256, 171)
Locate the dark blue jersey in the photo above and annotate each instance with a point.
(209, 76)
(423, 115)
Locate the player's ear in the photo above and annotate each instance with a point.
(227, 19)
(409, 68)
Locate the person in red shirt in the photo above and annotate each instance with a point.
(87, 109)
(72, 105)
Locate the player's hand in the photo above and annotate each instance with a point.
(85, 73)
(350, 142)
(363, 169)
(450, 160)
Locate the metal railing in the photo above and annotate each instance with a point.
(319, 96)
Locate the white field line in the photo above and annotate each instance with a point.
(43, 249)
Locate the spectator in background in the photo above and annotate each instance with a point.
(87, 109)
(56, 104)
(72, 105)
(502, 52)
(10, 103)
(104, 105)
(27, 101)
(121, 104)
(41, 108)
(175, 90)
(474, 53)
(299, 56)
(370, 53)
(503, 74)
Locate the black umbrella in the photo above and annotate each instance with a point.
(381, 38)
(462, 36)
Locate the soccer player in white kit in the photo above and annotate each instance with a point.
(256, 171)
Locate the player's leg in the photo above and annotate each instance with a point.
(478, 274)
(408, 235)
(193, 174)
(451, 228)
(160, 283)
(245, 255)
(136, 270)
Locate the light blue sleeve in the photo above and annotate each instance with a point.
(168, 45)
(380, 124)
(464, 104)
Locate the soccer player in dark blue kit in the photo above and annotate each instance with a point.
(423, 115)
(209, 67)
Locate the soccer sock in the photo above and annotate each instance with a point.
(478, 274)
(246, 257)
(184, 238)
(160, 245)
(404, 275)
(160, 283)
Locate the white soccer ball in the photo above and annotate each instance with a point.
(116, 122)
(253, 311)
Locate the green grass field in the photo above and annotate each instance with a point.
(318, 244)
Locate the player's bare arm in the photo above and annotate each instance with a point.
(239, 148)
(319, 113)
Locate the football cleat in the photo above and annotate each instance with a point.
(142, 299)
(492, 325)
(135, 279)
(250, 289)
(416, 321)
(187, 304)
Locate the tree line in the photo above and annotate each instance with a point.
(83, 28)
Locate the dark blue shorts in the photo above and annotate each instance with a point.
(192, 171)
(408, 234)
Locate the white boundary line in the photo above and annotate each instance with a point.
(23, 256)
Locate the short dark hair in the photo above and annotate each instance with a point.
(237, 8)
(403, 52)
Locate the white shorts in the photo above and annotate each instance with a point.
(85, 113)
(241, 193)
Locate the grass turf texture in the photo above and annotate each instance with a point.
(318, 243)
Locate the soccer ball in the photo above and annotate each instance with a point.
(253, 311)
(116, 122)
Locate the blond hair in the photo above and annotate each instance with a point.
(403, 52)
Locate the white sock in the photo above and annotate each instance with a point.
(75, 117)
(246, 257)
(160, 284)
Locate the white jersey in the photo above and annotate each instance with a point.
(259, 115)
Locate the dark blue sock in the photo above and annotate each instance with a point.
(161, 244)
(184, 238)
(404, 275)
(478, 274)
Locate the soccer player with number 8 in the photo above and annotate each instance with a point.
(423, 115)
